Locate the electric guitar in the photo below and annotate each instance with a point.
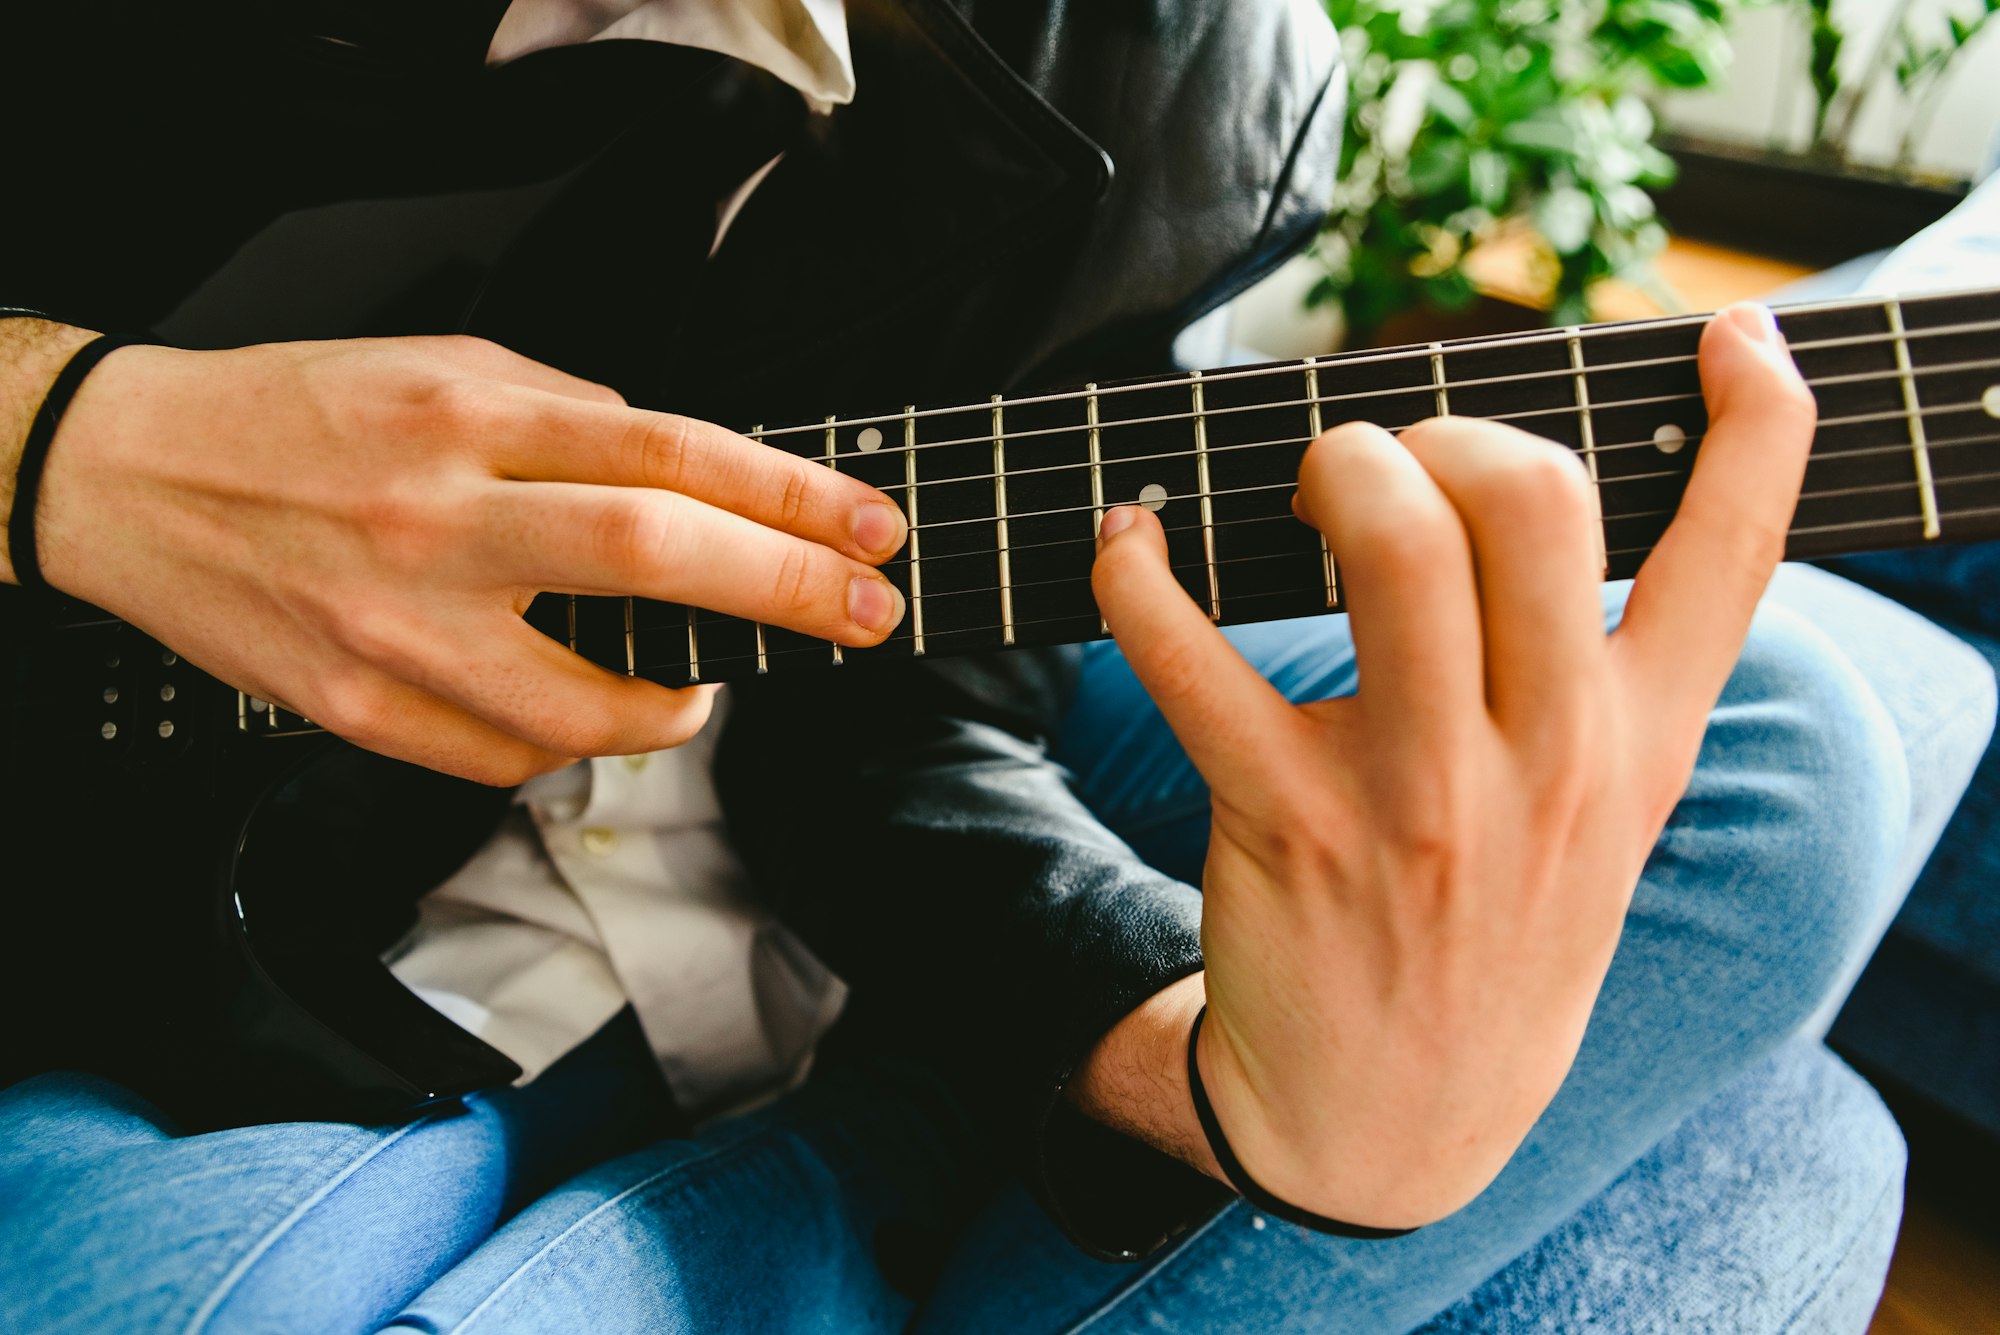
(241, 985)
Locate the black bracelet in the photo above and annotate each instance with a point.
(35, 455)
(1232, 1168)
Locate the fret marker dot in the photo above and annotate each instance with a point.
(1990, 401)
(1152, 496)
(1669, 438)
(870, 439)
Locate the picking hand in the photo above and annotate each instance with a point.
(1412, 895)
(354, 529)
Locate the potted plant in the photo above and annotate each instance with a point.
(1470, 121)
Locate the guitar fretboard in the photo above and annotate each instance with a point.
(1004, 497)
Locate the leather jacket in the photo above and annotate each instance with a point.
(1022, 192)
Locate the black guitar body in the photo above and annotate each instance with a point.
(199, 889)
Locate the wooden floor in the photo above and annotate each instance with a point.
(1945, 1276)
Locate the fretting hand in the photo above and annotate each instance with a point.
(355, 528)
(1412, 895)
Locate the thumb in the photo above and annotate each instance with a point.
(1224, 713)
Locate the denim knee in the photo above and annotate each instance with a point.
(1798, 811)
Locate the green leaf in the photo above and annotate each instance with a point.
(1564, 217)
(1438, 165)
(1488, 175)
(1451, 105)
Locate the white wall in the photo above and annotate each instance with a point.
(1767, 99)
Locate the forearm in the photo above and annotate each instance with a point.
(1135, 1078)
(32, 353)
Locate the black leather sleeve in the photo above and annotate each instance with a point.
(912, 828)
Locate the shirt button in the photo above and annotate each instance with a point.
(598, 841)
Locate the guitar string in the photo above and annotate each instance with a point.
(1428, 388)
(1200, 567)
(1423, 352)
(1817, 458)
(1090, 616)
(1014, 516)
(1312, 551)
(1897, 450)
(851, 461)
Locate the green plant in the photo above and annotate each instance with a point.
(1916, 54)
(1466, 114)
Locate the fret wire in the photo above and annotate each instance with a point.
(833, 462)
(1927, 493)
(1000, 522)
(1397, 430)
(763, 652)
(243, 711)
(1852, 526)
(1878, 488)
(1096, 438)
(631, 647)
(1207, 503)
(910, 498)
(1517, 416)
(1826, 494)
(572, 622)
(1589, 438)
(694, 649)
(1314, 429)
(1437, 380)
(1288, 518)
(1488, 344)
(1623, 478)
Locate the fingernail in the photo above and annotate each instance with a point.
(1115, 523)
(878, 528)
(875, 604)
(1755, 323)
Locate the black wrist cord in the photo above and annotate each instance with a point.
(1232, 1168)
(35, 455)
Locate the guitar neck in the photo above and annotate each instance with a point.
(1004, 497)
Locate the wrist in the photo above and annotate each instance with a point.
(33, 353)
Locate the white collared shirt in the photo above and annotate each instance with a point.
(611, 881)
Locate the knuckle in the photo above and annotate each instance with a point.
(635, 532)
(661, 444)
(405, 528)
(794, 582)
(1429, 433)
(1406, 536)
(794, 497)
(353, 706)
(377, 637)
(1536, 488)
(454, 405)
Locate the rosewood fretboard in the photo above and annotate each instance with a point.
(1004, 497)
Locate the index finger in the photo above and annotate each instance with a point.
(552, 438)
(1691, 604)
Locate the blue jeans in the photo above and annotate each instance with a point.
(841, 1208)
